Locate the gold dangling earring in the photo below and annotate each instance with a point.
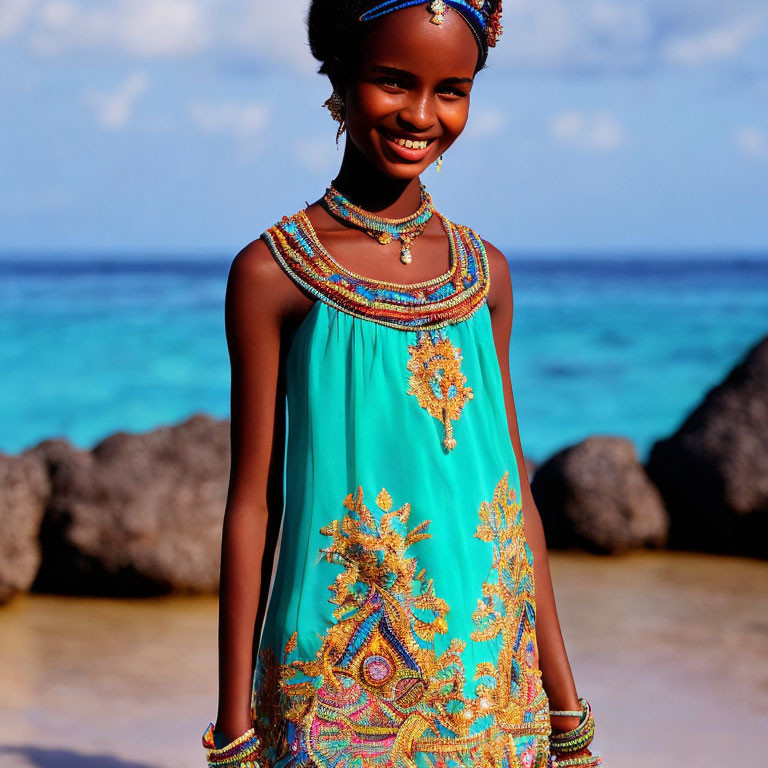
(439, 163)
(335, 105)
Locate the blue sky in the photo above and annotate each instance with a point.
(189, 126)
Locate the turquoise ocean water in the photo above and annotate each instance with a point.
(622, 346)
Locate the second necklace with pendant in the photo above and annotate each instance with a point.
(379, 227)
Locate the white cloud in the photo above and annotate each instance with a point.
(571, 36)
(598, 131)
(574, 34)
(243, 119)
(266, 29)
(172, 28)
(485, 123)
(164, 27)
(625, 35)
(144, 28)
(715, 44)
(114, 108)
(752, 142)
(243, 122)
(13, 15)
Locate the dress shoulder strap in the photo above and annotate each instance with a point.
(449, 298)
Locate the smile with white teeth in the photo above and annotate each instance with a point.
(408, 143)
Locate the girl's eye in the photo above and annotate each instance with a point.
(391, 81)
(453, 91)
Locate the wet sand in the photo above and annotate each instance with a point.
(670, 648)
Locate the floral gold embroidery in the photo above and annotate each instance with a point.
(377, 691)
(437, 380)
(506, 611)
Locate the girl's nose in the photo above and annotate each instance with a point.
(419, 112)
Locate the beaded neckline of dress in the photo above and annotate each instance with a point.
(447, 298)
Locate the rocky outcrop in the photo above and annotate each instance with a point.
(142, 514)
(595, 494)
(713, 472)
(24, 488)
(139, 514)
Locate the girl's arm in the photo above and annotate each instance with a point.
(254, 311)
(556, 674)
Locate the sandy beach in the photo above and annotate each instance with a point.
(670, 648)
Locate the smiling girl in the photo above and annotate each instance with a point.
(402, 626)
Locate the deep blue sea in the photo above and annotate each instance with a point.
(623, 346)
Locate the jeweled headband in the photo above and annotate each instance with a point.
(482, 17)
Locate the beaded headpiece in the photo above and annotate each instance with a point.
(482, 16)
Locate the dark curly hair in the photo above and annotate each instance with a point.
(335, 31)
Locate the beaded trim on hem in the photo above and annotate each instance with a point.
(485, 750)
(449, 298)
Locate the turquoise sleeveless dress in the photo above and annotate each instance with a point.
(400, 629)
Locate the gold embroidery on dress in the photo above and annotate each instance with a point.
(437, 380)
(377, 691)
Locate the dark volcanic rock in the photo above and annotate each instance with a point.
(24, 488)
(595, 494)
(139, 514)
(713, 472)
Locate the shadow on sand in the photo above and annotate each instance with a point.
(40, 757)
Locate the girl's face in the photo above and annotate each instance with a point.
(413, 85)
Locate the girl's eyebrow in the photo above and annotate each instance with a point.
(405, 73)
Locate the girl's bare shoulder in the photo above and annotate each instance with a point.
(259, 285)
(500, 289)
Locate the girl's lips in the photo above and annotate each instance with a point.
(414, 155)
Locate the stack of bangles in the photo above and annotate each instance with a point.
(243, 752)
(567, 743)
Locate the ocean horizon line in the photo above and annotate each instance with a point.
(148, 257)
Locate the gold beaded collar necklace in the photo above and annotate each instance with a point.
(380, 228)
